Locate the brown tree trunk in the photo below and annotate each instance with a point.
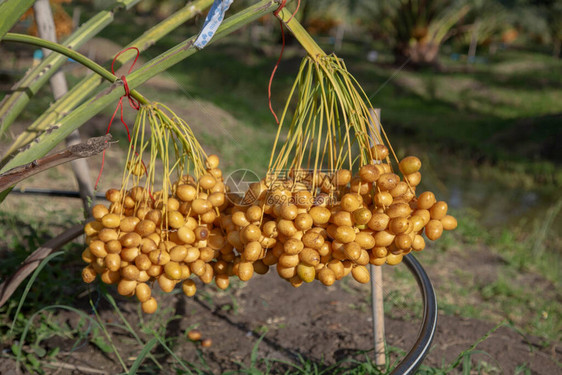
(418, 54)
(557, 48)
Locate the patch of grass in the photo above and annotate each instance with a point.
(534, 245)
(19, 236)
(526, 259)
(439, 107)
(22, 235)
(29, 337)
(361, 362)
(533, 314)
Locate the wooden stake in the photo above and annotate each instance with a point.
(46, 30)
(377, 290)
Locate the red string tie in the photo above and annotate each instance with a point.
(276, 13)
(281, 6)
(132, 102)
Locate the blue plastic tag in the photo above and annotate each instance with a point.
(212, 22)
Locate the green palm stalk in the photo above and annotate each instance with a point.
(54, 135)
(10, 13)
(12, 105)
(88, 84)
(332, 126)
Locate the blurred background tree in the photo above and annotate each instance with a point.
(416, 29)
(541, 20)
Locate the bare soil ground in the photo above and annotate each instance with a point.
(319, 324)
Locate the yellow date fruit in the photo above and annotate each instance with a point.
(361, 274)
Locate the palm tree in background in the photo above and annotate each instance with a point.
(541, 19)
(415, 28)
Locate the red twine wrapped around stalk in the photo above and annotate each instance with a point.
(276, 13)
(281, 6)
(132, 102)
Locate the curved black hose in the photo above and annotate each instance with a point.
(53, 193)
(415, 357)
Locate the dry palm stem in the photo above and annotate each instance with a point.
(92, 146)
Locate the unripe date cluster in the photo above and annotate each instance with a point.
(144, 238)
(336, 228)
(315, 227)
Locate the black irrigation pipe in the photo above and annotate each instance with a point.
(415, 357)
(53, 193)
